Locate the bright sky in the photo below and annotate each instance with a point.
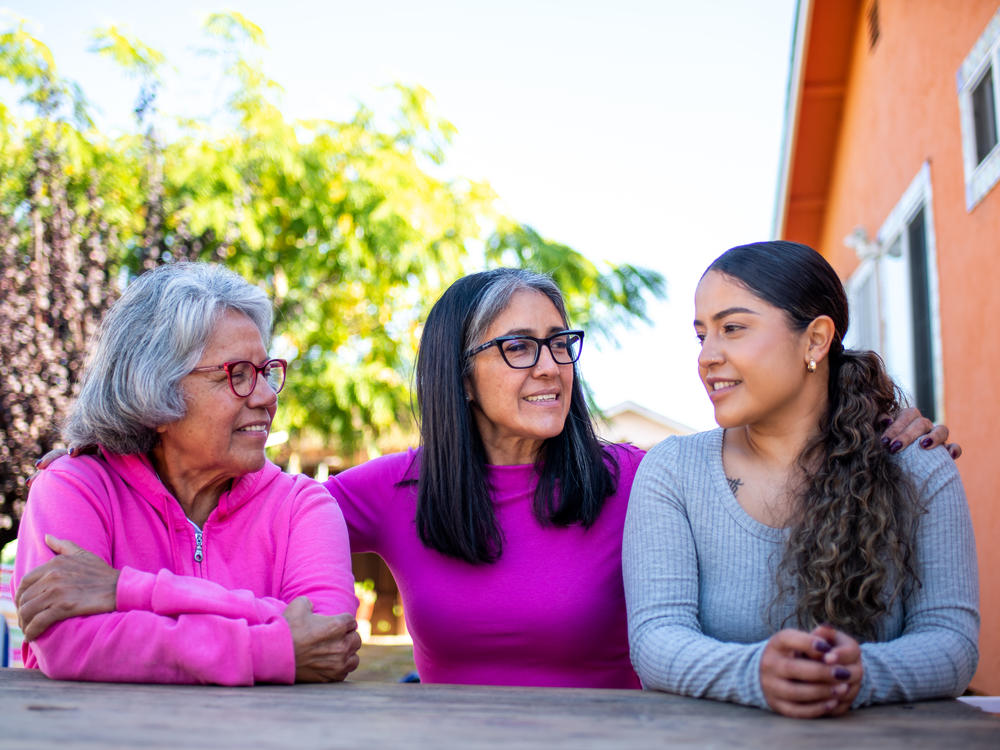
(640, 131)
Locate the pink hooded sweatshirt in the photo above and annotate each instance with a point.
(193, 606)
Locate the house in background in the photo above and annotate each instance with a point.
(890, 168)
(628, 422)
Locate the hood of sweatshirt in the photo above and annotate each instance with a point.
(137, 471)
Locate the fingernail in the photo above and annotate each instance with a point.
(38, 462)
(885, 442)
(953, 453)
(839, 673)
(895, 447)
(885, 422)
(926, 443)
(822, 646)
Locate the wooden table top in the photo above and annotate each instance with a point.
(36, 712)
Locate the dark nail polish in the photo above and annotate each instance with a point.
(885, 422)
(885, 442)
(926, 443)
(840, 673)
(895, 447)
(822, 646)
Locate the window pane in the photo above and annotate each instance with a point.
(920, 296)
(984, 115)
(864, 330)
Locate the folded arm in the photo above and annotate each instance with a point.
(669, 649)
(660, 567)
(937, 653)
(161, 626)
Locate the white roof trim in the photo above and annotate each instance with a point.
(652, 416)
(803, 22)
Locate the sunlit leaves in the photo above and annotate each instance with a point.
(130, 54)
(353, 226)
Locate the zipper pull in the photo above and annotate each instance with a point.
(198, 554)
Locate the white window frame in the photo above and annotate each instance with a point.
(892, 306)
(979, 177)
(868, 298)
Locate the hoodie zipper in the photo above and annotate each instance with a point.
(199, 548)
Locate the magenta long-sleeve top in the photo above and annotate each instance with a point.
(549, 612)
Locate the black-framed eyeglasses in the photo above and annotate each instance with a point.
(242, 375)
(521, 352)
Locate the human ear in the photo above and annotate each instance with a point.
(818, 338)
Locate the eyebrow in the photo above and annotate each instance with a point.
(528, 332)
(727, 312)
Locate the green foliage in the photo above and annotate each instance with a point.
(28, 64)
(130, 54)
(57, 231)
(595, 300)
(349, 225)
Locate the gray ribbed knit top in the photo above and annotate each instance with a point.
(700, 581)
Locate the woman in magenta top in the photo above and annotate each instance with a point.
(504, 530)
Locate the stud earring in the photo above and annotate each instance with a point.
(811, 367)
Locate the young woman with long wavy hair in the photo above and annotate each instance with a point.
(786, 560)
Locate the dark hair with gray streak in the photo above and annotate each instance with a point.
(495, 297)
(151, 338)
(454, 507)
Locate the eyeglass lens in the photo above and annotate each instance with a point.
(565, 350)
(243, 376)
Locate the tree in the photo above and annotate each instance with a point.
(55, 233)
(351, 226)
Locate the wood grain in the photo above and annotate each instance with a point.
(36, 712)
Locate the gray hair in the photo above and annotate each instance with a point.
(148, 341)
(505, 283)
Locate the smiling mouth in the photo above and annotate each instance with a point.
(253, 428)
(719, 385)
(544, 397)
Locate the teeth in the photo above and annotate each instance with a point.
(545, 397)
(253, 428)
(724, 384)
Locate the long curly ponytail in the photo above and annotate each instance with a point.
(850, 552)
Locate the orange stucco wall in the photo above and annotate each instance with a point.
(900, 110)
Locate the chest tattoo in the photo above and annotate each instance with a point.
(734, 484)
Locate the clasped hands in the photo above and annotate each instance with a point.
(808, 675)
(76, 582)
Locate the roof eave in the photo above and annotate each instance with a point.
(793, 100)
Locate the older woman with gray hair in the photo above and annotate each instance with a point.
(183, 554)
